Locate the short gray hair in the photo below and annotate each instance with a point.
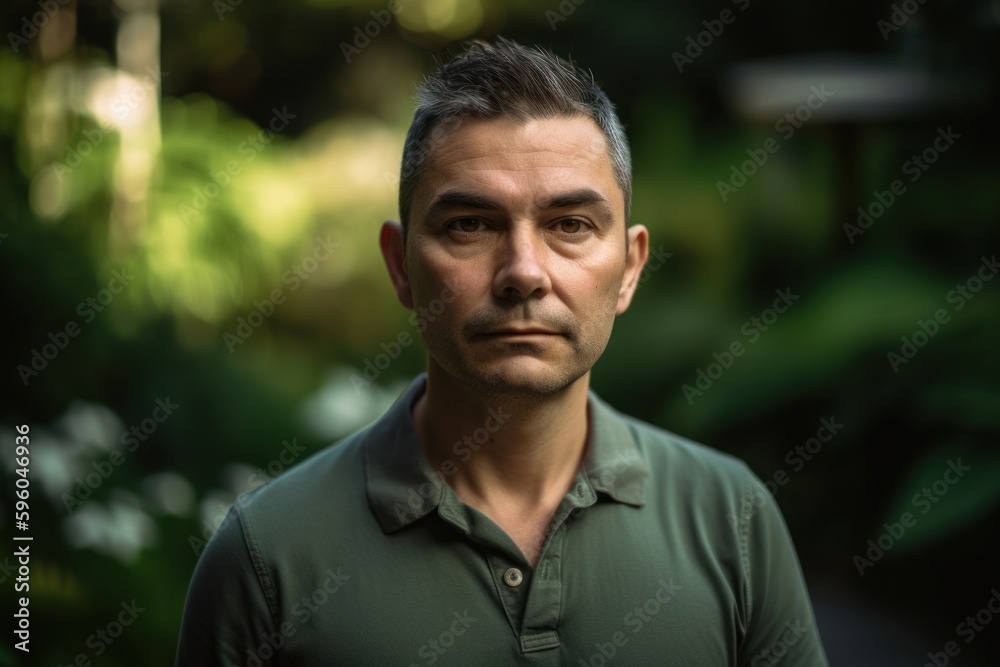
(506, 78)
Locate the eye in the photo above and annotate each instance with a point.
(467, 225)
(572, 226)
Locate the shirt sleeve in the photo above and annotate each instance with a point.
(781, 628)
(227, 620)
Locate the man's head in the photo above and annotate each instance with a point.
(514, 259)
(507, 79)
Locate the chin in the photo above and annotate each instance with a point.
(526, 377)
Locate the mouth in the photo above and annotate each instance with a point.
(519, 334)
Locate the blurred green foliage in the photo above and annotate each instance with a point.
(156, 195)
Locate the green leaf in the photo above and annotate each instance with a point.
(942, 502)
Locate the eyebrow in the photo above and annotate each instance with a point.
(581, 197)
(453, 199)
(456, 199)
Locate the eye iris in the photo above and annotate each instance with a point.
(571, 226)
(468, 224)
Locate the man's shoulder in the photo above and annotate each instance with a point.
(668, 443)
(679, 460)
(328, 476)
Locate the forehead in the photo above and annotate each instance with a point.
(517, 162)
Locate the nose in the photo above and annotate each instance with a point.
(521, 270)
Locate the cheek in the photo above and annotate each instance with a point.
(426, 276)
(596, 285)
(445, 288)
(439, 269)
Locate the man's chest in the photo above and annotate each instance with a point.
(602, 588)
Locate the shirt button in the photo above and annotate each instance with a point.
(513, 577)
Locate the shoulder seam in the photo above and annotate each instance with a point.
(744, 536)
(266, 585)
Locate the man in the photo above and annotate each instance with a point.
(500, 513)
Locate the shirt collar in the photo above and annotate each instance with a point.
(402, 486)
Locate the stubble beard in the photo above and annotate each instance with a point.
(528, 386)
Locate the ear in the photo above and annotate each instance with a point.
(638, 252)
(390, 240)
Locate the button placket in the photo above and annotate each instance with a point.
(512, 585)
(540, 629)
(532, 599)
(543, 610)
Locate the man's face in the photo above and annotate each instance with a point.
(517, 231)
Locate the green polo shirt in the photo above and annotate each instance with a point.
(664, 552)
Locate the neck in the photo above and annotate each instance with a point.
(503, 450)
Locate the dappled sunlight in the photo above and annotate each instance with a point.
(454, 19)
(279, 209)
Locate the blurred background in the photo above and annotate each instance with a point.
(193, 297)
